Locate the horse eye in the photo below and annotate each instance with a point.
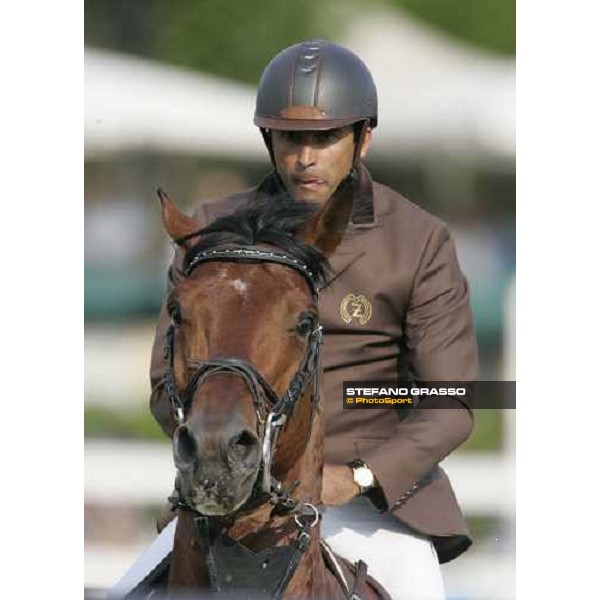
(304, 326)
(175, 313)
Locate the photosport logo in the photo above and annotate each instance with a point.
(402, 395)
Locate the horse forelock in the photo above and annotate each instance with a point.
(272, 222)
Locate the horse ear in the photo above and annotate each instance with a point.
(326, 228)
(178, 225)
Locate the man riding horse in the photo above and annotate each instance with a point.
(395, 308)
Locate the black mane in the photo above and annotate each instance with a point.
(273, 221)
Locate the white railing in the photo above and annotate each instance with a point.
(142, 473)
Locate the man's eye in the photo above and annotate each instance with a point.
(291, 136)
(327, 136)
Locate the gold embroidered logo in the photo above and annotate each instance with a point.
(356, 308)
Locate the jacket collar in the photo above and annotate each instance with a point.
(364, 215)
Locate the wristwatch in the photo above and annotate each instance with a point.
(369, 487)
(363, 476)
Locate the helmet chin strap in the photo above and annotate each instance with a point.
(352, 176)
(266, 133)
(364, 126)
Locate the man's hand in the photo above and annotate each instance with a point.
(338, 485)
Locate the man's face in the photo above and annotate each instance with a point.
(313, 163)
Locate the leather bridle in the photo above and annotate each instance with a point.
(272, 411)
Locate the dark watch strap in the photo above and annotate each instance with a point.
(374, 493)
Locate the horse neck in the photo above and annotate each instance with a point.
(308, 470)
(257, 532)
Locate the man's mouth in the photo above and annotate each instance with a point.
(311, 183)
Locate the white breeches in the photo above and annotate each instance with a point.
(404, 562)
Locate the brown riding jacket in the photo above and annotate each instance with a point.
(414, 320)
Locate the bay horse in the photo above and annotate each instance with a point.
(244, 356)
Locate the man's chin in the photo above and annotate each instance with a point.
(317, 196)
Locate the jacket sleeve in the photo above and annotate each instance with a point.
(159, 403)
(440, 340)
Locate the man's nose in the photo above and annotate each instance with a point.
(307, 155)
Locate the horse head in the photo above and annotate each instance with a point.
(243, 346)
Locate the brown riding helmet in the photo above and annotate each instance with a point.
(315, 85)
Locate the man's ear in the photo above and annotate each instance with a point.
(326, 228)
(366, 143)
(178, 226)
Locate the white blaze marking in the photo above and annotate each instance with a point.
(239, 285)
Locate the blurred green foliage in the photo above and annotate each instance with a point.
(488, 24)
(484, 527)
(233, 38)
(487, 432)
(131, 424)
(236, 38)
(139, 424)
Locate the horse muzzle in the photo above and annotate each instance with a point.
(216, 472)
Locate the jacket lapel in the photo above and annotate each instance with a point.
(364, 218)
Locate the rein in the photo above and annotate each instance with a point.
(231, 564)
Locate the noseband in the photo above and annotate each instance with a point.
(272, 411)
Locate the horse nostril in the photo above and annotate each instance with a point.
(186, 448)
(244, 446)
(246, 438)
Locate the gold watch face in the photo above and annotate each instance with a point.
(363, 477)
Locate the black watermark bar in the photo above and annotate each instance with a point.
(404, 395)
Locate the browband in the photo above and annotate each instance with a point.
(237, 254)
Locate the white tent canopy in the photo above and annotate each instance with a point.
(132, 103)
(435, 96)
